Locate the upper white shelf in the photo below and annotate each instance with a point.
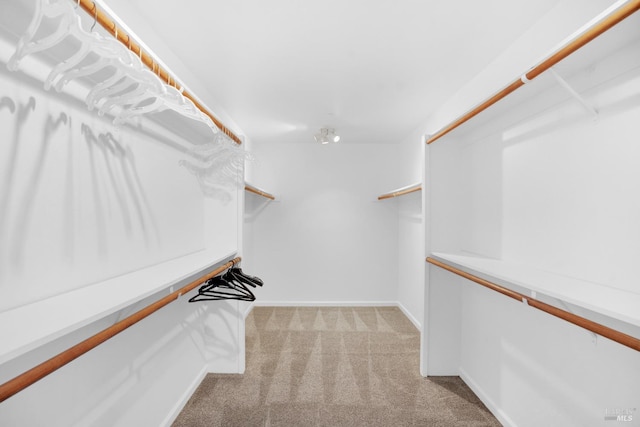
(171, 118)
(613, 28)
(70, 311)
(611, 302)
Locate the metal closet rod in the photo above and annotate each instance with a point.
(591, 33)
(412, 189)
(35, 374)
(108, 24)
(597, 328)
(254, 190)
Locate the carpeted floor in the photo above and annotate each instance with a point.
(332, 366)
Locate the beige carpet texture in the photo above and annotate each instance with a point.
(332, 366)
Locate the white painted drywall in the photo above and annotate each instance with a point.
(327, 238)
(411, 253)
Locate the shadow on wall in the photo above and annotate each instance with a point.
(131, 191)
(254, 206)
(7, 183)
(25, 209)
(42, 209)
(217, 347)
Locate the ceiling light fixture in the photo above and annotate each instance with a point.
(326, 135)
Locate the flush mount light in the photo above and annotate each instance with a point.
(326, 135)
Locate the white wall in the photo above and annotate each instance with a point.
(411, 256)
(542, 184)
(327, 238)
(410, 226)
(77, 209)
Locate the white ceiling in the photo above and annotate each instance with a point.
(374, 70)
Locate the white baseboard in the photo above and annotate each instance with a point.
(406, 312)
(337, 304)
(248, 310)
(180, 404)
(325, 303)
(504, 419)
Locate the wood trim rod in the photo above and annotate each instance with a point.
(588, 35)
(35, 374)
(254, 190)
(112, 28)
(605, 331)
(412, 189)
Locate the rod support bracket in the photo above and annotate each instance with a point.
(588, 107)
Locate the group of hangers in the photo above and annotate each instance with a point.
(122, 86)
(232, 285)
(129, 89)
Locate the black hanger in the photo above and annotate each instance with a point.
(218, 288)
(237, 273)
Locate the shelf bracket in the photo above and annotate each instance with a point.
(589, 108)
(594, 336)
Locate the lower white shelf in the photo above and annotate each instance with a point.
(615, 304)
(24, 328)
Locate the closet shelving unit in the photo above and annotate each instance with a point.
(401, 191)
(255, 190)
(470, 212)
(595, 30)
(99, 300)
(613, 303)
(60, 324)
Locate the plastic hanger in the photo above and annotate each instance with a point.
(49, 10)
(148, 86)
(181, 104)
(88, 43)
(129, 99)
(168, 99)
(124, 64)
(134, 111)
(110, 54)
(117, 83)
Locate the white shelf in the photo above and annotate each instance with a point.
(611, 302)
(43, 321)
(186, 130)
(623, 34)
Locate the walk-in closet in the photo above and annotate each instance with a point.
(319, 213)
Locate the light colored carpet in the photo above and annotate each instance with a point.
(332, 366)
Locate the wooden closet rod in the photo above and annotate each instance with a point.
(254, 190)
(605, 331)
(108, 24)
(412, 189)
(589, 34)
(35, 374)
